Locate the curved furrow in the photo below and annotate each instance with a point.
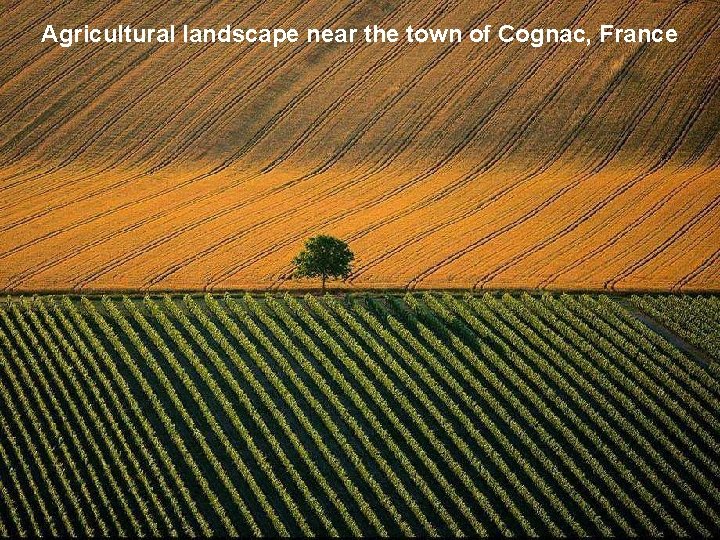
(225, 242)
(472, 133)
(51, 208)
(332, 191)
(242, 151)
(177, 232)
(12, 7)
(234, 268)
(61, 75)
(358, 208)
(90, 219)
(117, 116)
(406, 160)
(231, 270)
(257, 81)
(298, 98)
(104, 189)
(528, 121)
(282, 113)
(110, 211)
(429, 111)
(692, 243)
(612, 283)
(139, 251)
(459, 147)
(386, 159)
(655, 252)
(10, 75)
(386, 59)
(229, 240)
(689, 162)
(278, 21)
(122, 182)
(363, 129)
(683, 207)
(687, 278)
(510, 142)
(637, 222)
(571, 137)
(534, 212)
(664, 159)
(78, 250)
(144, 141)
(88, 98)
(178, 109)
(34, 23)
(218, 114)
(23, 153)
(670, 75)
(213, 247)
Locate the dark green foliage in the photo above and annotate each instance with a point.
(380, 415)
(325, 257)
(694, 318)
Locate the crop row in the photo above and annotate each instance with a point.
(696, 319)
(419, 415)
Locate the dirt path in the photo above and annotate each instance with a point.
(676, 340)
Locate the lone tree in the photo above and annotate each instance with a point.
(325, 257)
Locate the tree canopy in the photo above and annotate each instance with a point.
(325, 257)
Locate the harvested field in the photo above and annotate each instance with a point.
(185, 167)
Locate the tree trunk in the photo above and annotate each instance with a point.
(323, 284)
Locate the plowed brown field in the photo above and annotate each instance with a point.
(151, 166)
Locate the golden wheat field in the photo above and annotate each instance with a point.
(470, 165)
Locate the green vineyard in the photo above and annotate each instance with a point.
(427, 414)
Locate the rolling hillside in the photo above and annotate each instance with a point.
(151, 166)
